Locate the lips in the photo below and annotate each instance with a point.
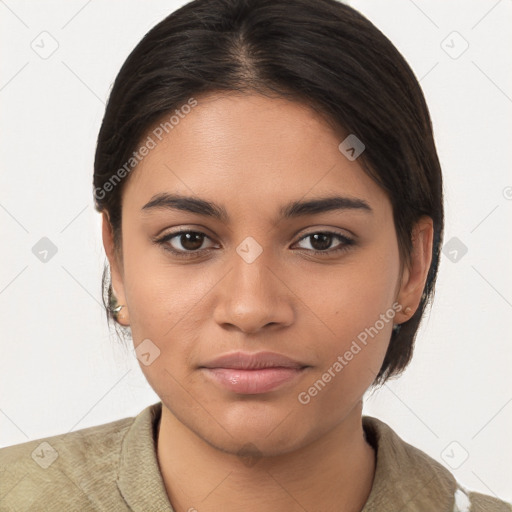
(252, 373)
(253, 361)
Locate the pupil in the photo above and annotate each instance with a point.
(326, 241)
(188, 242)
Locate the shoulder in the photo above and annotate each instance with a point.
(66, 467)
(484, 503)
(409, 479)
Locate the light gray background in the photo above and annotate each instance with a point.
(60, 368)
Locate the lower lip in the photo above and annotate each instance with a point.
(253, 381)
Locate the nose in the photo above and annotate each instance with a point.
(254, 296)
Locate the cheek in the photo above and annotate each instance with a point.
(160, 294)
(354, 302)
(352, 349)
(168, 305)
(345, 299)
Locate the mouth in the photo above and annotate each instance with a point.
(253, 373)
(253, 382)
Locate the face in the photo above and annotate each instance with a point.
(322, 286)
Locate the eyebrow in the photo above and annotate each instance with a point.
(165, 201)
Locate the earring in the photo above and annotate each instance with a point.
(116, 312)
(117, 309)
(407, 311)
(113, 306)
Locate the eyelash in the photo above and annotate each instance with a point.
(347, 242)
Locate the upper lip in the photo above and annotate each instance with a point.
(252, 361)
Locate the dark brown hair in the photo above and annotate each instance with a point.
(319, 52)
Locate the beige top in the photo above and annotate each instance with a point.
(114, 467)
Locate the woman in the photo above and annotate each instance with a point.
(272, 215)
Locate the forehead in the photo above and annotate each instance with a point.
(249, 146)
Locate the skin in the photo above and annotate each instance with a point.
(251, 154)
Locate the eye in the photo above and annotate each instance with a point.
(184, 243)
(321, 241)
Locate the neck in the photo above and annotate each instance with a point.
(334, 472)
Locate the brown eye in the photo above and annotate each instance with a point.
(321, 242)
(184, 243)
(191, 241)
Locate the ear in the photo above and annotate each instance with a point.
(116, 270)
(415, 274)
